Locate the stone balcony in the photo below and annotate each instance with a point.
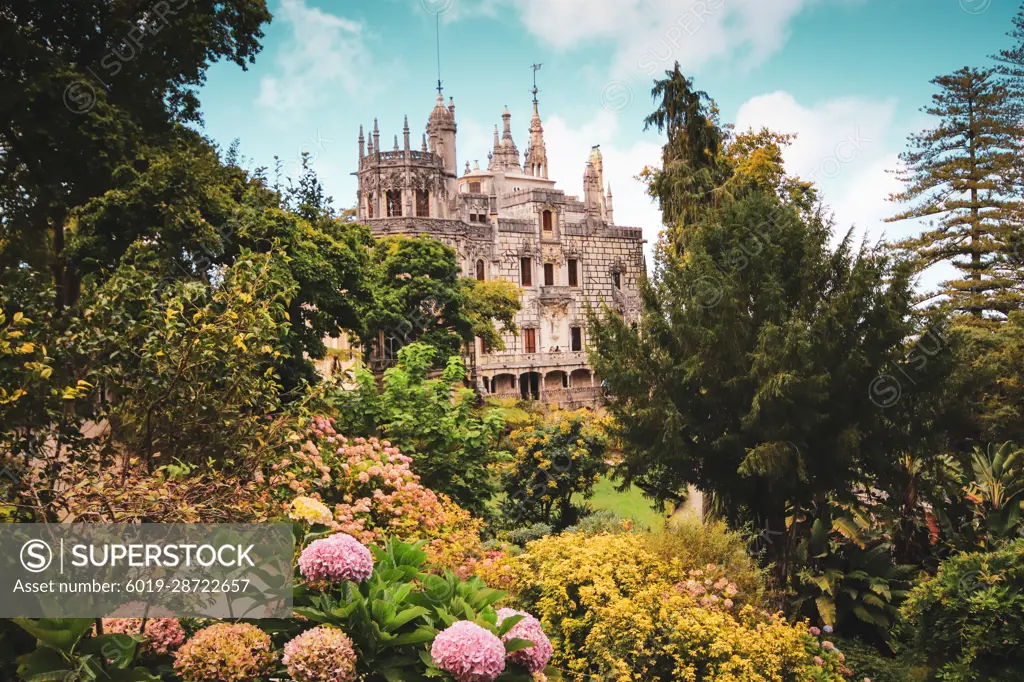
(555, 294)
(568, 398)
(567, 360)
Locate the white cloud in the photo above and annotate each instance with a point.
(648, 36)
(844, 145)
(324, 52)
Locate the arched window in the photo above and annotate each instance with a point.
(394, 199)
(480, 270)
(548, 223)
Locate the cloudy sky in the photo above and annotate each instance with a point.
(848, 76)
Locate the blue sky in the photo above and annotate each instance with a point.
(849, 76)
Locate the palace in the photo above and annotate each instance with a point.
(510, 222)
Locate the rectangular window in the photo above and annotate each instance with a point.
(574, 278)
(530, 340)
(423, 203)
(549, 274)
(474, 188)
(617, 280)
(394, 198)
(548, 225)
(525, 272)
(577, 339)
(472, 217)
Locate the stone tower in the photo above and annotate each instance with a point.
(441, 130)
(537, 154)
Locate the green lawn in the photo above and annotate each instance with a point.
(628, 504)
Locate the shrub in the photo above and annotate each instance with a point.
(536, 531)
(626, 607)
(225, 652)
(371, 492)
(434, 421)
(602, 521)
(555, 460)
(406, 623)
(880, 667)
(968, 620)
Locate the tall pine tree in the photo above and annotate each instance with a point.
(962, 175)
(1011, 60)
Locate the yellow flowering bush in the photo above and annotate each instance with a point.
(557, 458)
(621, 608)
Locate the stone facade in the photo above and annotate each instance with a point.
(510, 222)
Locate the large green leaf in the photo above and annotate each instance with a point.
(59, 633)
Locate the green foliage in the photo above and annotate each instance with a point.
(436, 422)
(962, 173)
(189, 369)
(395, 615)
(63, 652)
(847, 578)
(487, 303)
(420, 296)
(535, 531)
(555, 460)
(991, 362)
(684, 185)
(199, 214)
(868, 662)
(968, 621)
(980, 507)
(64, 133)
(750, 373)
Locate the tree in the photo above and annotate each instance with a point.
(964, 174)
(436, 422)
(1011, 60)
(690, 169)
(991, 368)
(88, 86)
(420, 295)
(199, 214)
(751, 372)
(555, 460)
(188, 368)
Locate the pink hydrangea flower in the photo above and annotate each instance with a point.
(225, 652)
(815, 631)
(163, 635)
(337, 558)
(534, 659)
(469, 653)
(323, 654)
